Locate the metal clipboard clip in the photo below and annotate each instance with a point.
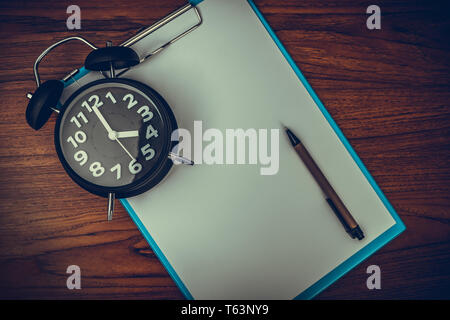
(139, 36)
(149, 30)
(160, 24)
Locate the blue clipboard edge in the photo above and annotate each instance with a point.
(344, 267)
(157, 250)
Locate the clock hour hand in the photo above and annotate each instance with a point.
(128, 134)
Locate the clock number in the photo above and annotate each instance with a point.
(81, 156)
(116, 168)
(151, 132)
(132, 101)
(110, 96)
(145, 113)
(80, 137)
(134, 167)
(97, 102)
(87, 106)
(75, 120)
(148, 152)
(96, 169)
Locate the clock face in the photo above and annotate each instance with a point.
(114, 135)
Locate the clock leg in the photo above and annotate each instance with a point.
(179, 159)
(111, 197)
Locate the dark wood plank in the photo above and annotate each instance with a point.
(387, 89)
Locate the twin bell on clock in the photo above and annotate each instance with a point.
(113, 135)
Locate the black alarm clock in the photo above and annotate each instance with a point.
(113, 135)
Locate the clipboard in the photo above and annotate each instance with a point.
(244, 244)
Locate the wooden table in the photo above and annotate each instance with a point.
(387, 89)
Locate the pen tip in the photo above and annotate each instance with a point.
(292, 137)
(284, 127)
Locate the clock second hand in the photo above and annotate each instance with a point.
(123, 147)
(111, 133)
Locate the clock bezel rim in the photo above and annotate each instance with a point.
(148, 181)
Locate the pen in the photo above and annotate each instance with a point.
(333, 199)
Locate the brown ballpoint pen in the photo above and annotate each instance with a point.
(333, 199)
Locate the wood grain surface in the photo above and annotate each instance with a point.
(387, 89)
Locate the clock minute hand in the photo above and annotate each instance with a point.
(102, 119)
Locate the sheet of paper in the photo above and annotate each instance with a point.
(229, 232)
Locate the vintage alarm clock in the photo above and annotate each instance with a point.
(113, 135)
